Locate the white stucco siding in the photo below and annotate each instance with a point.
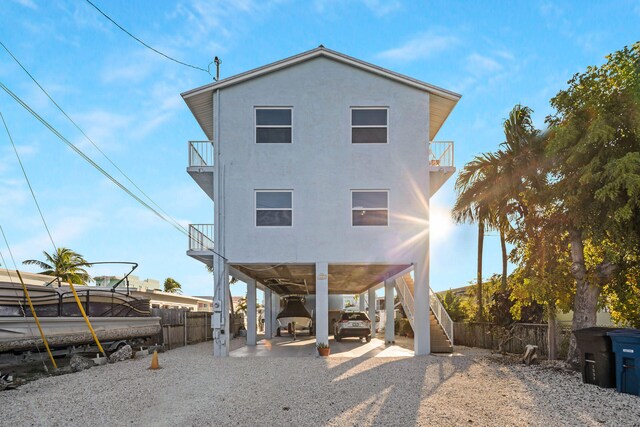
(321, 166)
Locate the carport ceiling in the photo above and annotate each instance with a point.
(300, 278)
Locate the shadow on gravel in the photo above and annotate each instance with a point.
(387, 391)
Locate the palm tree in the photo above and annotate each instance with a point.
(477, 191)
(521, 172)
(172, 286)
(64, 264)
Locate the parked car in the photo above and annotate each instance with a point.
(352, 324)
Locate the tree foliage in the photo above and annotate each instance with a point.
(172, 286)
(65, 264)
(568, 199)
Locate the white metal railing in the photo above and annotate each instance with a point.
(200, 153)
(200, 237)
(405, 295)
(406, 298)
(441, 153)
(441, 314)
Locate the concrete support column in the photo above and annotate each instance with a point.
(389, 335)
(422, 325)
(361, 302)
(251, 312)
(275, 309)
(322, 303)
(372, 310)
(268, 324)
(220, 320)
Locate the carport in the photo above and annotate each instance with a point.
(318, 281)
(305, 346)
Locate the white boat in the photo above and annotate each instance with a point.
(294, 316)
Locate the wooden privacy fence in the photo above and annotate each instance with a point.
(489, 336)
(182, 327)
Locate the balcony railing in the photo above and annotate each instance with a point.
(441, 153)
(200, 153)
(201, 237)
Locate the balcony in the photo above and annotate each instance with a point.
(201, 243)
(201, 164)
(441, 166)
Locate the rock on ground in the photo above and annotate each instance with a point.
(124, 353)
(472, 387)
(79, 363)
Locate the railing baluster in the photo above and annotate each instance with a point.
(201, 153)
(201, 237)
(441, 153)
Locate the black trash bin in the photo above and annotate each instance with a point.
(626, 346)
(597, 360)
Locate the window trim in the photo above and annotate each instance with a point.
(388, 208)
(255, 123)
(352, 126)
(255, 207)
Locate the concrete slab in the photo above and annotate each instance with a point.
(304, 346)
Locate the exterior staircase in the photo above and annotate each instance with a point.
(441, 325)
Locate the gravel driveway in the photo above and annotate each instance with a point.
(473, 387)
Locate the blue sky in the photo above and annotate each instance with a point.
(496, 54)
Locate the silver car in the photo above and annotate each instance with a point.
(352, 324)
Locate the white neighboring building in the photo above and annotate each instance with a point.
(150, 289)
(320, 167)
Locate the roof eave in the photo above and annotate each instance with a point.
(319, 51)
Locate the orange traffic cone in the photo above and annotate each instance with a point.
(154, 361)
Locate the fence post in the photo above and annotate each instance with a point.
(185, 328)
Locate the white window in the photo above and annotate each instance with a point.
(273, 125)
(274, 208)
(369, 207)
(369, 125)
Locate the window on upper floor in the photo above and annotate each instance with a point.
(369, 125)
(273, 125)
(370, 207)
(274, 208)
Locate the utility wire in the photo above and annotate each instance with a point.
(85, 135)
(208, 70)
(24, 172)
(94, 164)
(24, 313)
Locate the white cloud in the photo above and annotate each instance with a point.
(133, 72)
(377, 7)
(103, 127)
(479, 64)
(13, 192)
(27, 3)
(421, 47)
(382, 7)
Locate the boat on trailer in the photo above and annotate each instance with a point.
(116, 316)
(294, 316)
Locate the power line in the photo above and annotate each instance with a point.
(208, 70)
(85, 134)
(94, 164)
(24, 172)
(24, 313)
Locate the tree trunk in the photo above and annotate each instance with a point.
(479, 284)
(586, 300)
(552, 331)
(503, 245)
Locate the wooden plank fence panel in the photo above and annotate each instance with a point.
(176, 322)
(487, 335)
